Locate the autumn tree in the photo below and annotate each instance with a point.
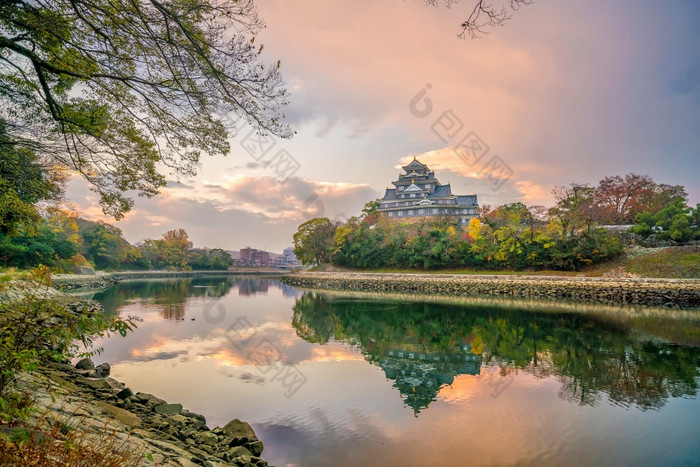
(574, 211)
(176, 245)
(620, 198)
(536, 217)
(661, 196)
(121, 91)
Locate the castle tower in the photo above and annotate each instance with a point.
(418, 193)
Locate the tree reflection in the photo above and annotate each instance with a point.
(422, 346)
(169, 296)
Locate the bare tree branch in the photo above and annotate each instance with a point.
(484, 15)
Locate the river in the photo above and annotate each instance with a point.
(330, 379)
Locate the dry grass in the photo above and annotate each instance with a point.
(64, 441)
(679, 262)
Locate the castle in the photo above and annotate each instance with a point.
(418, 193)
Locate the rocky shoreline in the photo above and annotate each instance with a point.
(682, 293)
(105, 279)
(166, 433)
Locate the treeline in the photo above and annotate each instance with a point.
(567, 236)
(65, 242)
(34, 230)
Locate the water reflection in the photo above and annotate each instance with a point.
(418, 380)
(170, 296)
(423, 346)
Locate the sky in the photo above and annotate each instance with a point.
(566, 91)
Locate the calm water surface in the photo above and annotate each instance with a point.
(330, 379)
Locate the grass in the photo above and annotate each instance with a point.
(671, 262)
(679, 262)
(13, 274)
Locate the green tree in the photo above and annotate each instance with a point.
(24, 181)
(215, 259)
(170, 251)
(117, 90)
(313, 241)
(676, 221)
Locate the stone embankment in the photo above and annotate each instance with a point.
(684, 293)
(105, 279)
(143, 423)
(104, 407)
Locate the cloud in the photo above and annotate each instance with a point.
(450, 167)
(241, 210)
(562, 94)
(532, 193)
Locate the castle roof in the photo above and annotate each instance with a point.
(466, 200)
(413, 188)
(415, 165)
(441, 191)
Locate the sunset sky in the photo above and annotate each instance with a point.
(567, 91)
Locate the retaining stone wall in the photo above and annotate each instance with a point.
(683, 293)
(100, 280)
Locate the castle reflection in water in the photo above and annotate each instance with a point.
(419, 376)
(423, 346)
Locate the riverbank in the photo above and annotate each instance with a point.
(105, 279)
(161, 433)
(683, 293)
(83, 405)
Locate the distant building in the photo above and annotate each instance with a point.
(289, 256)
(288, 259)
(418, 193)
(252, 257)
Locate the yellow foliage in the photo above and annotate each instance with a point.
(475, 229)
(477, 346)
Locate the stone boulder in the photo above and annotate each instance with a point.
(102, 370)
(239, 429)
(85, 364)
(148, 399)
(168, 409)
(124, 393)
(195, 416)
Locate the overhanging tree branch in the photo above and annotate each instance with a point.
(115, 89)
(484, 15)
